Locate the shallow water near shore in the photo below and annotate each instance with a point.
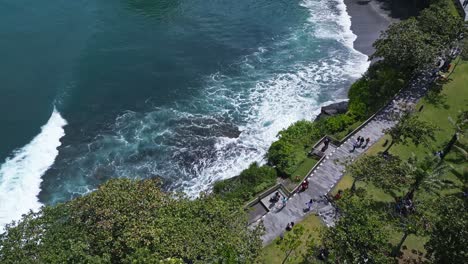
(188, 91)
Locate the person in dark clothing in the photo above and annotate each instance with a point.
(275, 198)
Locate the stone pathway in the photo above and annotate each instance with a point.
(465, 8)
(330, 171)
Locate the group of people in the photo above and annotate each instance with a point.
(277, 197)
(360, 143)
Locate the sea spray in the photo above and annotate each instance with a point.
(220, 92)
(20, 175)
(285, 98)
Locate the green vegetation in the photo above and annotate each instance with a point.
(304, 168)
(447, 243)
(273, 254)
(358, 237)
(413, 44)
(249, 183)
(410, 127)
(127, 221)
(371, 92)
(434, 186)
(403, 201)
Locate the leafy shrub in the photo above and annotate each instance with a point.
(338, 123)
(250, 182)
(359, 98)
(371, 92)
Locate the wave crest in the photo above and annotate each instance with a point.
(20, 175)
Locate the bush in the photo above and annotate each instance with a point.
(245, 186)
(338, 123)
(291, 148)
(371, 92)
(359, 99)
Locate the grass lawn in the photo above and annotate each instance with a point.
(299, 174)
(271, 254)
(304, 168)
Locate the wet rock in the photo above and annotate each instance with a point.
(333, 109)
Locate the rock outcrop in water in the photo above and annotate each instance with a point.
(333, 109)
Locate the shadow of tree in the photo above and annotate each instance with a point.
(436, 98)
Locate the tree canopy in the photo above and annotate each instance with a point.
(414, 43)
(357, 237)
(449, 237)
(404, 45)
(385, 173)
(132, 221)
(410, 127)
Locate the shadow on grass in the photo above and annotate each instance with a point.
(436, 98)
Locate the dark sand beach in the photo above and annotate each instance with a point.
(368, 20)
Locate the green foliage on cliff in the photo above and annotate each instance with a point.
(294, 142)
(366, 96)
(250, 182)
(441, 24)
(127, 221)
(376, 88)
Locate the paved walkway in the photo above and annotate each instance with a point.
(330, 171)
(465, 8)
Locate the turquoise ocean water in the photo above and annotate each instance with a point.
(191, 91)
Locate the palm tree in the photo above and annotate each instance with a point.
(426, 175)
(460, 126)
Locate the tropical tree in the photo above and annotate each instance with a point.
(405, 46)
(386, 173)
(132, 221)
(414, 224)
(460, 126)
(449, 237)
(357, 237)
(425, 174)
(291, 242)
(441, 24)
(411, 127)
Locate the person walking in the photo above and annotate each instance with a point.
(367, 143)
(465, 3)
(356, 144)
(309, 204)
(361, 141)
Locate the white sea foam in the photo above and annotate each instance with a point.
(194, 143)
(20, 176)
(284, 98)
